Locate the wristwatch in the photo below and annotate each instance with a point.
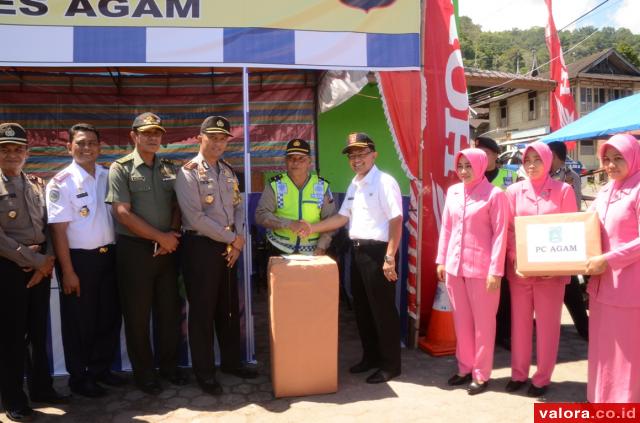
(388, 259)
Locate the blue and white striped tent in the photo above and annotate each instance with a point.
(303, 34)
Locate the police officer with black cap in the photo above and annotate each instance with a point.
(142, 197)
(292, 196)
(213, 224)
(373, 210)
(26, 263)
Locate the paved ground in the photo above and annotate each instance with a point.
(419, 394)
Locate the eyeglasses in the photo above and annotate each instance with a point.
(358, 156)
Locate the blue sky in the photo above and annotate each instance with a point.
(498, 15)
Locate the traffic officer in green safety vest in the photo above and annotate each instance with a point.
(498, 176)
(291, 197)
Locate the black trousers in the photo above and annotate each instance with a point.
(147, 284)
(574, 301)
(91, 322)
(212, 290)
(24, 315)
(375, 305)
(503, 316)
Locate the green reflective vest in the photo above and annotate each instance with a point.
(504, 178)
(295, 204)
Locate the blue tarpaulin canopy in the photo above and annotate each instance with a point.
(617, 116)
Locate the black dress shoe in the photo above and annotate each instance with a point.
(535, 391)
(112, 379)
(88, 388)
(178, 377)
(363, 366)
(23, 414)
(514, 385)
(476, 388)
(243, 372)
(456, 379)
(50, 397)
(210, 386)
(382, 376)
(151, 387)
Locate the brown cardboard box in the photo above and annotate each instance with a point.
(303, 311)
(556, 244)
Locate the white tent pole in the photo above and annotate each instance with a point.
(248, 309)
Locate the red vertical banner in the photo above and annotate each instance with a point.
(445, 132)
(562, 108)
(405, 115)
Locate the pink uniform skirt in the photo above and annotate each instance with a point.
(614, 353)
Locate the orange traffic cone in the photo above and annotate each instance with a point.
(441, 335)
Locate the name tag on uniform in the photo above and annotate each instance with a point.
(137, 178)
(349, 198)
(82, 194)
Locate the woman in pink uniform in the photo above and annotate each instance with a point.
(536, 195)
(471, 253)
(614, 295)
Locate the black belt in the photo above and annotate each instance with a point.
(367, 242)
(231, 228)
(135, 239)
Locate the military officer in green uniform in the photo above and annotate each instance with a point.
(142, 197)
(213, 224)
(291, 197)
(26, 263)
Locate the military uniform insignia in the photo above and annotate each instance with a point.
(54, 195)
(84, 211)
(9, 132)
(150, 120)
(208, 199)
(12, 214)
(190, 165)
(296, 143)
(82, 194)
(220, 123)
(236, 193)
(61, 176)
(125, 159)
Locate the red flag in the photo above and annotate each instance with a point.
(561, 104)
(445, 133)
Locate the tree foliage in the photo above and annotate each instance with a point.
(514, 49)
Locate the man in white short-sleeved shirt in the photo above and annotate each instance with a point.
(373, 209)
(84, 241)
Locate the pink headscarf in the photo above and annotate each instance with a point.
(546, 155)
(478, 160)
(628, 146)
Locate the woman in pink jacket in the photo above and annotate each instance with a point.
(471, 253)
(614, 295)
(537, 195)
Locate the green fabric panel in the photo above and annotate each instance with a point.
(361, 113)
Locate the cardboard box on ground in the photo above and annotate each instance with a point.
(556, 244)
(303, 313)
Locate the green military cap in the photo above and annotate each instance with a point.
(12, 133)
(146, 121)
(215, 124)
(298, 146)
(358, 140)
